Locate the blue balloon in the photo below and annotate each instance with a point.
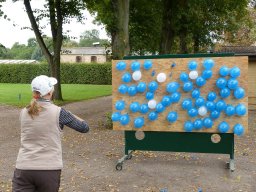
(207, 122)
(208, 63)
(160, 108)
(235, 72)
(211, 96)
(121, 65)
(200, 101)
(144, 108)
(135, 66)
(184, 77)
(198, 124)
(127, 77)
(172, 87)
(225, 92)
(232, 84)
(122, 89)
(210, 105)
(187, 104)
(192, 112)
(187, 86)
(115, 116)
(224, 71)
(223, 127)
(241, 109)
(120, 105)
(230, 110)
(175, 97)
(215, 114)
(124, 119)
(172, 116)
(147, 64)
(188, 126)
(221, 83)
(138, 122)
(134, 107)
(149, 95)
(166, 101)
(195, 93)
(152, 116)
(141, 87)
(192, 65)
(220, 105)
(207, 74)
(200, 81)
(239, 93)
(132, 90)
(238, 129)
(153, 86)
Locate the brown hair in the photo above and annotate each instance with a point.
(34, 108)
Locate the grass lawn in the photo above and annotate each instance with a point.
(20, 94)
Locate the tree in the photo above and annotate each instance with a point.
(89, 37)
(114, 14)
(58, 12)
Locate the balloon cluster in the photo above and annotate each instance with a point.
(212, 104)
(202, 111)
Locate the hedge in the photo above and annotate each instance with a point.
(98, 74)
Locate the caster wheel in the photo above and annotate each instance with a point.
(129, 157)
(119, 167)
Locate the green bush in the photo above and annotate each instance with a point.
(98, 74)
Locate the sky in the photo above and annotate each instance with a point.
(10, 34)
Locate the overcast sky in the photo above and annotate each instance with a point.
(15, 11)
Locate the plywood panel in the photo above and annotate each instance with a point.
(181, 65)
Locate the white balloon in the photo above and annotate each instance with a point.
(193, 74)
(136, 75)
(152, 104)
(202, 111)
(161, 77)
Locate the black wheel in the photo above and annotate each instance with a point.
(119, 167)
(227, 165)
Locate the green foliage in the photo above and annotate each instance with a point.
(89, 37)
(109, 122)
(98, 74)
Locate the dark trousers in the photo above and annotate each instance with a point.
(36, 180)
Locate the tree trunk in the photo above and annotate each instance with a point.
(120, 39)
(167, 33)
(56, 21)
(196, 44)
(183, 42)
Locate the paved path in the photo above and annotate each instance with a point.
(90, 159)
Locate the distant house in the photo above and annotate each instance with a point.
(84, 55)
(5, 61)
(249, 51)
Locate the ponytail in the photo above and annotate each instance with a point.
(34, 108)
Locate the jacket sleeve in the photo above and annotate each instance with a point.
(68, 119)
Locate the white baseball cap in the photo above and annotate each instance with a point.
(43, 84)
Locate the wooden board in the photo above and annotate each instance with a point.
(164, 66)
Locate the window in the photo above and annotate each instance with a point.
(93, 59)
(78, 59)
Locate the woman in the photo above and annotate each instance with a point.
(39, 161)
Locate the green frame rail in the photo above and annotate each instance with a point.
(178, 141)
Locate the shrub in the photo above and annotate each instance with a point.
(99, 74)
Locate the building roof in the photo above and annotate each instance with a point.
(18, 61)
(84, 51)
(238, 50)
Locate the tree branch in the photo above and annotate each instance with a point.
(36, 31)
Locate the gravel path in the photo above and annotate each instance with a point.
(90, 159)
